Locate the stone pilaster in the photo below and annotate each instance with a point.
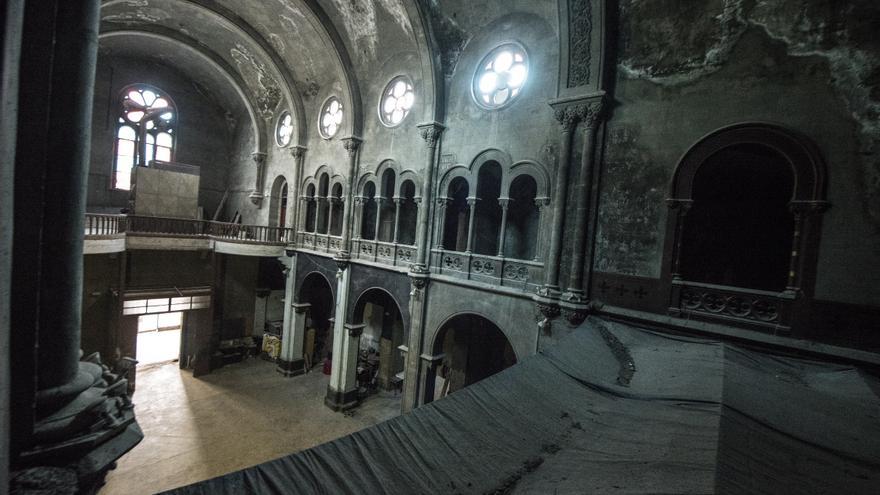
(575, 303)
(256, 196)
(352, 145)
(431, 133)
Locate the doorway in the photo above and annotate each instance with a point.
(158, 338)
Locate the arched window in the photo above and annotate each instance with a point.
(321, 223)
(385, 224)
(310, 208)
(739, 230)
(487, 215)
(455, 226)
(145, 131)
(742, 233)
(521, 230)
(409, 213)
(336, 209)
(368, 212)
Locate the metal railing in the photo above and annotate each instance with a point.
(104, 225)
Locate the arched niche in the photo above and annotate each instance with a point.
(743, 228)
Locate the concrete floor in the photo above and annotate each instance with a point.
(240, 415)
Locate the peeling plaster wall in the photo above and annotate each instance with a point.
(203, 133)
(686, 70)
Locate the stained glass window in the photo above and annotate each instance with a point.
(145, 132)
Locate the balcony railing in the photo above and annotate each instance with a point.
(387, 253)
(495, 270)
(109, 225)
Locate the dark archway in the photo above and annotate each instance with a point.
(743, 229)
(487, 213)
(521, 231)
(455, 226)
(380, 362)
(473, 349)
(316, 291)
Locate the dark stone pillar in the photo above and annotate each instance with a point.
(73, 80)
(92, 422)
(11, 16)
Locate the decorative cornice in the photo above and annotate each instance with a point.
(430, 132)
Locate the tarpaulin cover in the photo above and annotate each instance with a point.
(611, 409)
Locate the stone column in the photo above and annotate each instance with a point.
(290, 363)
(358, 213)
(345, 394)
(396, 235)
(568, 117)
(330, 202)
(541, 203)
(472, 206)
(303, 212)
(505, 203)
(352, 145)
(63, 410)
(430, 132)
(442, 204)
(298, 153)
(412, 365)
(256, 196)
(575, 294)
(680, 208)
(378, 221)
(336, 398)
(430, 364)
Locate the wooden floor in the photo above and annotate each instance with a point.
(240, 415)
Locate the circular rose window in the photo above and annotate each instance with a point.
(331, 117)
(396, 101)
(501, 76)
(284, 130)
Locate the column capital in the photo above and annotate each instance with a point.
(352, 144)
(354, 329)
(301, 308)
(298, 151)
(542, 202)
(593, 114)
(259, 157)
(472, 201)
(430, 132)
(443, 201)
(504, 202)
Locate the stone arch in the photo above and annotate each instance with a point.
(761, 289)
(473, 347)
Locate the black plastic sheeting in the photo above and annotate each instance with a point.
(611, 409)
